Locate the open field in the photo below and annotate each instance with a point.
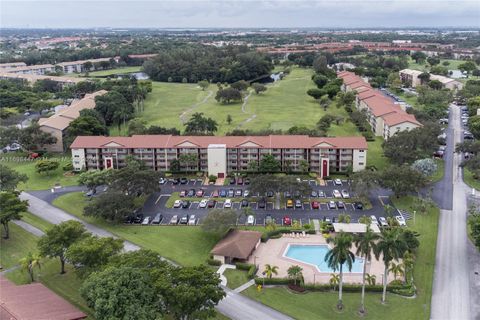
(235, 278)
(41, 181)
(375, 155)
(321, 305)
(183, 244)
(16, 247)
(470, 180)
(425, 67)
(103, 73)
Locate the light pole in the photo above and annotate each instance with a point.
(414, 214)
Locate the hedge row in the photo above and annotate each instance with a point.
(214, 262)
(250, 268)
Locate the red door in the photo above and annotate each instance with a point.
(108, 164)
(324, 168)
(221, 175)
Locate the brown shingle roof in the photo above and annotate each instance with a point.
(237, 244)
(34, 302)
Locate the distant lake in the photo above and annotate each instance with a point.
(456, 74)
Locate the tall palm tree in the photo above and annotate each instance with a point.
(396, 269)
(408, 262)
(270, 271)
(295, 272)
(29, 262)
(339, 255)
(392, 247)
(334, 280)
(365, 243)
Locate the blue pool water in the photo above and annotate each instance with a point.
(315, 255)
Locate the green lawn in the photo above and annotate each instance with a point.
(469, 179)
(235, 278)
(36, 221)
(184, 244)
(16, 247)
(425, 67)
(103, 73)
(321, 305)
(42, 181)
(375, 155)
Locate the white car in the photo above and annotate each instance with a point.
(250, 220)
(162, 181)
(337, 182)
(345, 194)
(401, 221)
(228, 203)
(383, 221)
(332, 205)
(192, 221)
(146, 221)
(203, 203)
(374, 219)
(337, 194)
(246, 193)
(177, 203)
(174, 220)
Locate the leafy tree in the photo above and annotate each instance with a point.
(324, 102)
(114, 107)
(427, 166)
(467, 67)
(268, 163)
(240, 85)
(10, 178)
(259, 88)
(219, 221)
(392, 247)
(228, 95)
(175, 165)
(364, 181)
(366, 244)
(120, 293)
(474, 223)
(87, 66)
(94, 178)
(435, 84)
(85, 126)
(91, 253)
(191, 292)
(408, 261)
(320, 80)
(32, 138)
(338, 256)
(270, 271)
(144, 260)
(402, 179)
(474, 126)
(419, 57)
(10, 209)
(134, 179)
(29, 263)
(46, 166)
(325, 122)
(315, 93)
(295, 273)
(439, 70)
(320, 64)
(433, 60)
(204, 84)
(229, 119)
(59, 238)
(111, 205)
(424, 77)
(199, 124)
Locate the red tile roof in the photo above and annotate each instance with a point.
(169, 141)
(397, 118)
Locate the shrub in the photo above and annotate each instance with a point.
(68, 167)
(250, 268)
(212, 178)
(272, 281)
(214, 262)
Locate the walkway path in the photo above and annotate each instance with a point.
(245, 286)
(183, 116)
(220, 271)
(316, 225)
(244, 104)
(29, 228)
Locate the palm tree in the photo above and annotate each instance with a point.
(408, 262)
(270, 271)
(365, 220)
(334, 280)
(29, 262)
(338, 256)
(396, 269)
(371, 279)
(392, 247)
(295, 272)
(365, 243)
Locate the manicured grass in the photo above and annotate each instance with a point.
(425, 67)
(470, 180)
(16, 247)
(110, 72)
(235, 278)
(42, 181)
(438, 175)
(321, 305)
(36, 221)
(186, 245)
(375, 156)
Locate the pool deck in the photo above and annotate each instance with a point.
(272, 252)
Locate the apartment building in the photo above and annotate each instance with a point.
(38, 69)
(32, 78)
(12, 65)
(411, 78)
(79, 66)
(57, 124)
(220, 155)
(384, 115)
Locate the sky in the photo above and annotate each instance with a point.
(238, 13)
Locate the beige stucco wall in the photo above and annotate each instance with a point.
(58, 146)
(398, 128)
(219, 258)
(78, 159)
(359, 160)
(217, 159)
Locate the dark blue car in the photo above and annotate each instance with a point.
(223, 193)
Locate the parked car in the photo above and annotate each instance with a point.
(185, 204)
(192, 221)
(129, 219)
(340, 205)
(191, 193)
(231, 193)
(321, 194)
(337, 194)
(157, 219)
(228, 203)
(240, 181)
(289, 203)
(288, 194)
(244, 203)
(270, 194)
(337, 182)
(200, 193)
(174, 219)
(262, 203)
(315, 205)
(269, 219)
(374, 220)
(250, 220)
(184, 219)
(175, 181)
(232, 180)
(90, 193)
(238, 193)
(183, 193)
(358, 205)
(287, 221)
(298, 204)
(247, 181)
(138, 218)
(215, 193)
(332, 205)
(401, 220)
(383, 221)
(162, 181)
(146, 221)
(183, 180)
(314, 194)
(345, 194)
(223, 193)
(211, 203)
(203, 203)
(246, 193)
(177, 204)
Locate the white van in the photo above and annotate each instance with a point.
(228, 203)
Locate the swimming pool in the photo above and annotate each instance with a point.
(315, 255)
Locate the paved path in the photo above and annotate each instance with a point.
(29, 228)
(238, 307)
(316, 225)
(451, 287)
(245, 286)
(220, 271)
(183, 116)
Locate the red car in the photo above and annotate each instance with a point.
(240, 181)
(287, 221)
(183, 193)
(315, 205)
(215, 194)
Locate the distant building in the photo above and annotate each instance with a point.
(237, 245)
(38, 69)
(57, 124)
(79, 66)
(12, 65)
(32, 78)
(411, 78)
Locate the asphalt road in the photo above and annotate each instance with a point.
(451, 287)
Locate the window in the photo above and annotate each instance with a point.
(360, 163)
(362, 151)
